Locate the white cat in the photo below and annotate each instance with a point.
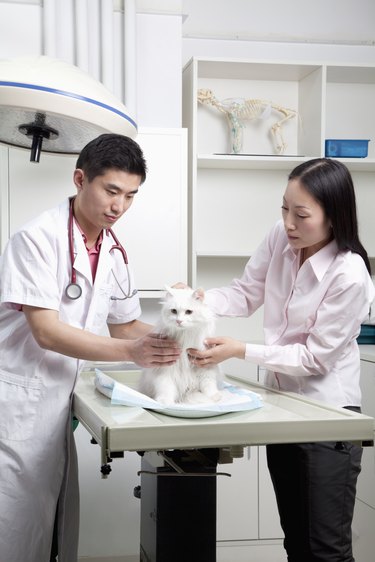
(187, 319)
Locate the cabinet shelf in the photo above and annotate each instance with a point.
(217, 254)
(235, 69)
(255, 162)
(248, 162)
(359, 164)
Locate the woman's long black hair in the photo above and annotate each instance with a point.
(330, 183)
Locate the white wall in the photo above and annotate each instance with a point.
(20, 30)
(302, 21)
(323, 30)
(159, 78)
(157, 51)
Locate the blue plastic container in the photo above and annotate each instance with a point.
(367, 334)
(346, 148)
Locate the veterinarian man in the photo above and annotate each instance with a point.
(61, 282)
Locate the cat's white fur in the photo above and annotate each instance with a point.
(187, 319)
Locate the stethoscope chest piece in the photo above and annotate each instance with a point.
(73, 291)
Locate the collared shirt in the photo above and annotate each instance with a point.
(92, 252)
(312, 316)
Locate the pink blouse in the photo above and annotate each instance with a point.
(312, 317)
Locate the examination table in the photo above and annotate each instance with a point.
(179, 456)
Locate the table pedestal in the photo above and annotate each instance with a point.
(178, 506)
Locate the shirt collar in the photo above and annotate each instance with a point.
(320, 261)
(98, 242)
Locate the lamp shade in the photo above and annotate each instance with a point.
(48, 104)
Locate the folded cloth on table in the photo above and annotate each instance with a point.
(234, 399)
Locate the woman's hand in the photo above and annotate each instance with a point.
(218, 350)
(199, 292)
(180, 285)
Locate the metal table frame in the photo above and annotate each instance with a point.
(198, 444)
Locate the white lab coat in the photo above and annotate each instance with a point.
(37, 453)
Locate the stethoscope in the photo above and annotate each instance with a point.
(73, 291)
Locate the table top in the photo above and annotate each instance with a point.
(284, 418)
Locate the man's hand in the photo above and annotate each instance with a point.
(154, 350)
(131, 342)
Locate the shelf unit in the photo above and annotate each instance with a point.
(234, 199)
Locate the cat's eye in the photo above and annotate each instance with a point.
(188, 312)
(173, 311)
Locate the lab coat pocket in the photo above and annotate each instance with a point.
(19, 401)
(103, 300)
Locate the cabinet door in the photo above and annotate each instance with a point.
(269, 521)
(366, 480)
(153, 231)
(246, 502)
(237, 498)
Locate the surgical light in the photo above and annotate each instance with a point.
(48, 104)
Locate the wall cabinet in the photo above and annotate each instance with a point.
(234, 199)
(153, 231)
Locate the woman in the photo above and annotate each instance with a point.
(312, 275)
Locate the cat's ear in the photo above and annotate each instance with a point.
(169, 289)
(199, 294)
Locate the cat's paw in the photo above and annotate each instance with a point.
(216, 397)
(165, 400)
(197, 397)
